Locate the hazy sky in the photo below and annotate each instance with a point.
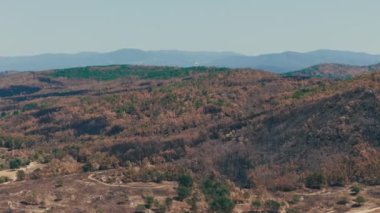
(245, 26)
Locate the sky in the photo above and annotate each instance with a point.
(250, 27)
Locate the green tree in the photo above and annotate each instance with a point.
(183, 192)
(185, 180)
(87, 167)
(217, 196)
(314, 181)
(149, 200)
(185, 183)
(15, 163)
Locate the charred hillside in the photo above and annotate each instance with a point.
(340, 132)
(250, 128)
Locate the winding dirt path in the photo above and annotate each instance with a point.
(135, 185)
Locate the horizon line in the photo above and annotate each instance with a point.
(188, 51)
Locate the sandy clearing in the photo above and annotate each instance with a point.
(12, 173)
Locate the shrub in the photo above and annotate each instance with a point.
(222, 204)
(3, 179)
(295, 199)
(36, 174)
(301, 93)
(20, 175)
(354, 190)
(314, 181)
(14, 163)
(291, 210)
(338, 181)
(160, 209)
(185, 180)
(58, 153)
(184, 189)
(149, 200)
(359, 200)
(87, 167)
(29, 106)
(342, 201)
(256, 204)
(168, 202)
(193, 202)
(217, 196)
(272, 205)
(140, 209)
(128, 108)
(183, 192)
(59, 183)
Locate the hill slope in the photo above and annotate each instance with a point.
(334, 71)
(246, 131)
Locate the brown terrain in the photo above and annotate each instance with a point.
(334, 71)
(167, 139)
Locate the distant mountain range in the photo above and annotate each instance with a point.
(280, 62)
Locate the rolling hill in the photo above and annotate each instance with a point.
(212, 139)
(334, 71)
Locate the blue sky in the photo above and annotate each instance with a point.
(245, 26)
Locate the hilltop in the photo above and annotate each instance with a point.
(334, 71)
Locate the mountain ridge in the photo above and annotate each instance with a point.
(275, 62)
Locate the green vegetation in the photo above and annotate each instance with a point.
(272, 206)
(3, 179)
(168, 203)
(149, 200)
(128, 108)
(185, 183)
(308, 91)
(183, 192)
(217, 196)
(87, 167)
(140, 208)
(193, 202)
(29, 106)
(12, 142)
(354, 190)
(359, 200)
(15, 163)
(140, 72)
(256, 204)
(291, 210)
(295, 199)
(314, 181)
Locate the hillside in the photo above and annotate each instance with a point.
(213, 139)
(334, 71)
(278, 63)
